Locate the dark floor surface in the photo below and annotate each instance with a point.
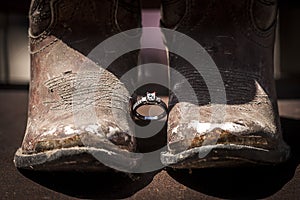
(281, 182)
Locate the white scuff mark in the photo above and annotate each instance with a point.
(126, 138)
(68, 130)
(105, 151)
(112, 131)
(92, 129)
(50, 132)
(206, 127)
(175, 130)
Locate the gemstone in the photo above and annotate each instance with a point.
(151, 96)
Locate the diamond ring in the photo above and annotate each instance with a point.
(149, 99)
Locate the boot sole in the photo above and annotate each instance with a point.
(224, 155)
(78, 159)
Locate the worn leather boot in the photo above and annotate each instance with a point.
(239, 37)
(78, 111)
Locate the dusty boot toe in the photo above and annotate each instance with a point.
(79, 110)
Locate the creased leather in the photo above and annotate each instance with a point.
(239, 36)
(71, 97)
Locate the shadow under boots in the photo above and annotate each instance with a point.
(91, 185)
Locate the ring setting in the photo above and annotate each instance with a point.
(150, 99)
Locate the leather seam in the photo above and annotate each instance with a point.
(115, 20)
(50, 28)
(245, 32)
(258, 31)
(51, 24)
(185, 16)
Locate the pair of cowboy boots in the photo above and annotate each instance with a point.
(80, 109)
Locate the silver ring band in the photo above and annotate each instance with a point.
(149, 99)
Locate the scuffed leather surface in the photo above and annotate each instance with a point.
(64, 81)
(239, 36)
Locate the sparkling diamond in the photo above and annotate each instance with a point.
(151, 96)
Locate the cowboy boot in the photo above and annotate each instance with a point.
(78, 115)
(239, 38)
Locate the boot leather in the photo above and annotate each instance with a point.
(239, 37)
(62, 33)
